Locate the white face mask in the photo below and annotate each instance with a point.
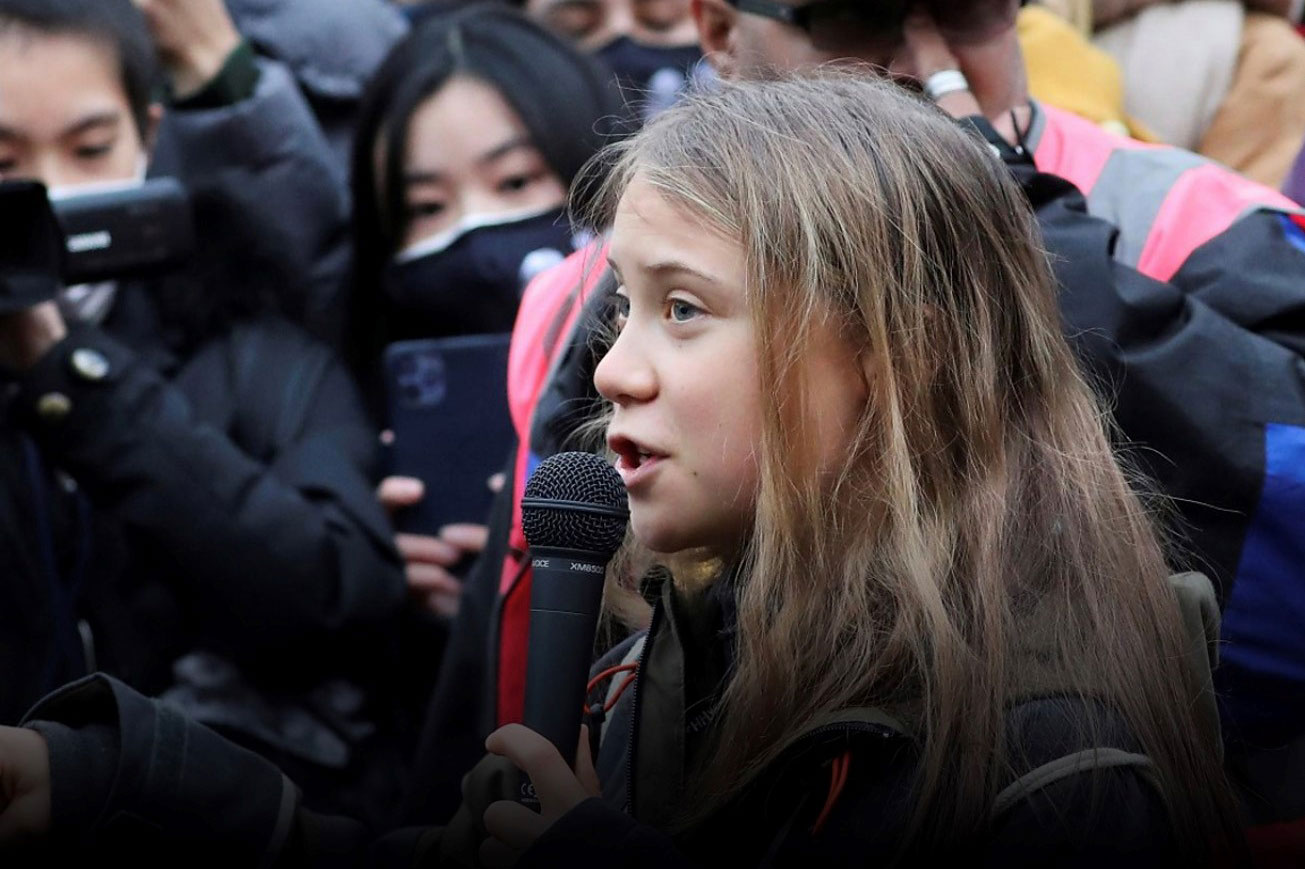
(89, 304)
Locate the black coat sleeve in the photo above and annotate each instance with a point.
(266, 157)
(134, 778)
(135, 781)
(268, 528)
(1193, 375)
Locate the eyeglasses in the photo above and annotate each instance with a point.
(854, 23)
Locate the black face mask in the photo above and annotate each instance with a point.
(473, 284)
(651, 77)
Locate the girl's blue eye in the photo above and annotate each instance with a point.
(682, 311)
(620, 307)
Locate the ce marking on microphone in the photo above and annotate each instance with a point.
(528, 797)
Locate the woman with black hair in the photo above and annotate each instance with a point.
(468, 139)
(472, 128)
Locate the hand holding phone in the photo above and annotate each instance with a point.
(429, 561)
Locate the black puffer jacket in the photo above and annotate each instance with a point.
(217, 506)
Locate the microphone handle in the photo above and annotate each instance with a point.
(565, 597)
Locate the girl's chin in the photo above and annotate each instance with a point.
(660, 545)
(656, 535)
(671, 538)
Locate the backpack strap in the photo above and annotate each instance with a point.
(1069, 765)
(890, 719)
(1199, 610)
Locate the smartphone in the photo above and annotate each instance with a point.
(448, 410)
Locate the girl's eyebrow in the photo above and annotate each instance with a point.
(108, 118)
(667, 268)
(675, 267)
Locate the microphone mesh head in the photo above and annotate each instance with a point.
(588, 509)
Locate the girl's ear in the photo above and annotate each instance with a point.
(867, 365)
(870, 363)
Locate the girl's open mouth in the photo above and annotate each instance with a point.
(634, 461)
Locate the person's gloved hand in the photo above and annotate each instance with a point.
(24, 787)
(194, 39)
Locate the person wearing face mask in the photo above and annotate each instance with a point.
(650, 46)
(468, 138)
(187, 477)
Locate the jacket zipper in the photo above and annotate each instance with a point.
(634, 706)
(881, 730)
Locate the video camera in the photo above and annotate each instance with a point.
(92, 236)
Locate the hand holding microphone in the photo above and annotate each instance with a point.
(512, 827)
(574, 512)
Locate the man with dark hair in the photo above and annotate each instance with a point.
(102, 23)
(188, 478)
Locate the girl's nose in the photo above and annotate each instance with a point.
(626, 375)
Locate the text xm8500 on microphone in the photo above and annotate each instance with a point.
(573, 513)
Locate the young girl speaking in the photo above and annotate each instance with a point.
(916, 607)
(915, 611)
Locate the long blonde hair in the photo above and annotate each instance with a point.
(979, 519)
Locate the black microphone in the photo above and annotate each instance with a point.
(573, 513)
